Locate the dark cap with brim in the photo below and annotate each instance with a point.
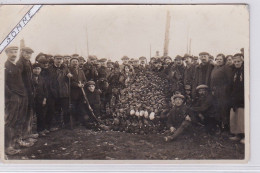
(11, 48)
(27, 49)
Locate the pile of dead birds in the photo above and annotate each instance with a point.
(140, 105)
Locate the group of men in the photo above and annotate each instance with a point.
(65, 90)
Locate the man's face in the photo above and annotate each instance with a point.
(202, 92)
(110, 66)
(103, 64)
(188, 60)
(219, 60)
(195, 61)
(26, 55)
(127, 69)
(178, 101)
(91, 61)
(152, 61)
(81, 62)
(142, 62)
(98, 64)
(66, 59)
(91, 88)
(238, 61)
(74, 63)
(125, 61)
(11, 55)
(188, 92)
(45, 65)
(229, 61)
(58, 61)
(37, 70)
(178, 61)
(168, 61)
(158, 65)
(204, 59)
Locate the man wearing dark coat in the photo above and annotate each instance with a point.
(77, 81)
(25, 66)
(204, 109)
(58, 92)
(16, 100)
(202, 72)
(89, 69)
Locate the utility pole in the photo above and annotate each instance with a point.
(150, 51)
(87, 41)
(167, 34)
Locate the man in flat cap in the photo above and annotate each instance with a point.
(90, 69)
(204, 109)
(195, 61)
(58, 98)
(15, 101)
(77, 81)
(203, 72)
(189, 71)
(177, 75)
(66, 60)
(25, 66)
(40, 56)
(179, 117)
(82, 61)
(142, 63)
(168, 64)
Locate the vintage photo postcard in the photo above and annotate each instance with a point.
(124, 83)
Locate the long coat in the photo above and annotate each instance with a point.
(237, 88)
(59, 82)
(40, 89)
(202, 76)
(78, 76)
(221, 78)
(26, 70)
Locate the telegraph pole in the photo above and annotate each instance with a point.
(167, 34)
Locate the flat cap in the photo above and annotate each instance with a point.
(187, 56)
(203, 53)
(66, 56)
(92, 57)
(82, 58)
(39, 55)
(125, 58)
(90, 83)
(167, 57)
(11, 48)
(103, 60)
(74, 58)
(57, 55)
(195, 58)
(187, 87)
(142, 58)
(27, 49)
(152, 58)
(178, 96)
(178, 57)
(75, 54)
(43, 61)
(35, 65)
(202, 87)
(109, 62)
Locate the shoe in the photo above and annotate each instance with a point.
(242, 141)
(32, 140)
(168, 138)
(42, 133)
(12, 151)
(235, 138)
(23, 143)
(54, 129)
(36, 135)
(46, 131)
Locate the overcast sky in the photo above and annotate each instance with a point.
(115, 31)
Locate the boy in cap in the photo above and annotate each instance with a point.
(93, 96)
(40, 98)
(15, 101)
(66, 60)
(81, 62)
(178, 117)
(188, 72)
(203, 108)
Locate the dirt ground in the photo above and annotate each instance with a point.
(84, 144)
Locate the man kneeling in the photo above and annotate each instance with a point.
(178, 117)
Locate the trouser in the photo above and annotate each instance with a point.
(15, 109)
(180, 129)
(78, 109)
(40, 112)
(211, 124)
(60, 104)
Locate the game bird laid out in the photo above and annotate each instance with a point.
(140, 104)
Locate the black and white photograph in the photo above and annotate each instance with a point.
(125, 83)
